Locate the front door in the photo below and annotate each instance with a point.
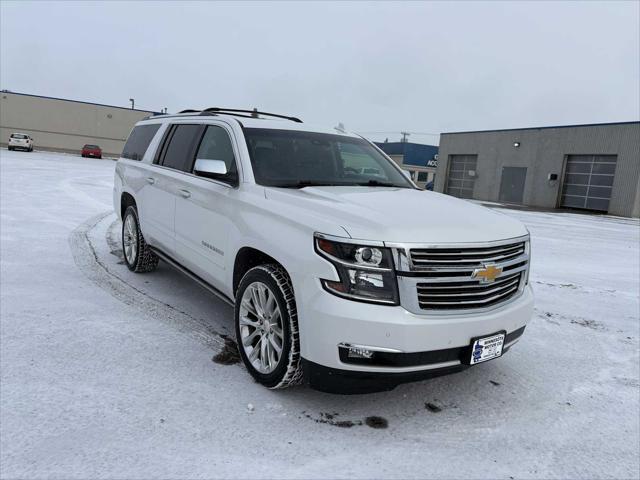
(204, 207)
(512, 184)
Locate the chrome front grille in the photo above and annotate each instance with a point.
(461, 295)
(427, 258)
(449, 276)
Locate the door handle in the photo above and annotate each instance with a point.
(151, 180)
(185, 193)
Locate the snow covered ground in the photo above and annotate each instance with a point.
(109, 374)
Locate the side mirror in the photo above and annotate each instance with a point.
(210, 168)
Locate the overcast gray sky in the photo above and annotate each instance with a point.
(376, 67)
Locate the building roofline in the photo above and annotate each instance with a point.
(545, 128)
(78, 101)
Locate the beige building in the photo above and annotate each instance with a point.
(66, 125)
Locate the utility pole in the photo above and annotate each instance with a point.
(133, 103)
(404, 136)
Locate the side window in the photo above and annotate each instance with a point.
(216, 145)
(139, 141)
(179, 152)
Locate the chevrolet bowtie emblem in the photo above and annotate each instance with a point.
(487, 274)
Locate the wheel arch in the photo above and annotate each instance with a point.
(126, 200)
(246, 259)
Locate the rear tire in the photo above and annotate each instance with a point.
(137, 253)
(10, 149)
(266, 324)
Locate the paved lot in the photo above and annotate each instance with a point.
(109, 374)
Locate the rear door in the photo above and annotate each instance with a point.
(137, 175)
(204, 208)
(163, 181)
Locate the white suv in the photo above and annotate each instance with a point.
(20, 141)
(354, 281)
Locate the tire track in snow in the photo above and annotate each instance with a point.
(86, 258)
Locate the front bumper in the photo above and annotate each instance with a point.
(348, 382)
(427, 345)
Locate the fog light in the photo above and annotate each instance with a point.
(356, 352)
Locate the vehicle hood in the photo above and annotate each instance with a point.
(396, 214)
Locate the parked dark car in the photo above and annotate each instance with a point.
(91, 151)
(429, 186)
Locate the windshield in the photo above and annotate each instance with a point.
(294, 159)
(18, 135)
(91, 147)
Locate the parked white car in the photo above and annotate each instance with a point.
(334, 275)
(20, 141)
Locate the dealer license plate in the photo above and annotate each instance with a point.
(486, 348)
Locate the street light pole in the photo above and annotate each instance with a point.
(133, 103)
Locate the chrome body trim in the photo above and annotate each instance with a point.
(368, 347)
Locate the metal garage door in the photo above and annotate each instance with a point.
(588, 181)
(512, 184)
(460, 183)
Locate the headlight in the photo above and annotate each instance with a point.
(366, 272)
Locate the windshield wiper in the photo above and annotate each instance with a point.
(377, 183)
(307, 183)
(316, 183)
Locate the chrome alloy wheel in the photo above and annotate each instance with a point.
(130, 239)
(261, 327)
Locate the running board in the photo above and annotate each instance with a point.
(193, 276)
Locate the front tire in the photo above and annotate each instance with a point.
(137, 253)
(266, 324)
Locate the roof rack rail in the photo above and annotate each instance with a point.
(189, 110)
(252, 113)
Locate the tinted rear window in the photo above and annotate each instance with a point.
(139, 141)
(17, 135)
(180, 151)
(92, 147)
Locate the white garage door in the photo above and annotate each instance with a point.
(588, 181)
